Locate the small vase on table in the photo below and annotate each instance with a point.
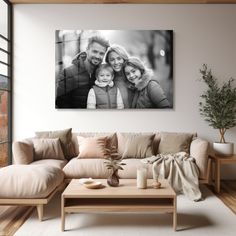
(142, 177)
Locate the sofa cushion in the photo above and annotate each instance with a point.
(130, 169)
(65, 137)
(47, 149)
(111, 138)
(23, 152)
(155, 143)
(95, 146)
(29, 181)
(174, 142)
(135, 145)
(85, 168)
(199, 150)
(51, 162)
(91, 147)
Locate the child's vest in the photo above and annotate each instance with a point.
(106, 97)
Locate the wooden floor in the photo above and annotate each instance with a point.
(11, 218)
(228, 194)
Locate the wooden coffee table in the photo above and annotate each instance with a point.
(125, 198)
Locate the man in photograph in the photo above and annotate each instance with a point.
(75, 81)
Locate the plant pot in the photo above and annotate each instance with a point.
(223, 149)
(113, 180)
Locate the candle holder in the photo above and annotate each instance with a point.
(142, 177)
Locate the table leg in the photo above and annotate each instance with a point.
(175, 214)
(213, 173)
(62, 213)
(217, 177)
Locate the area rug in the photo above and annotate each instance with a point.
(207, 217)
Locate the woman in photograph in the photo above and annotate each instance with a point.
(116, 56)
(148, 92)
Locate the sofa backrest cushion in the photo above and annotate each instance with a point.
(111, 138)
(23, 152)
(199, 150)
(137, 145)
(95, 147)
(47, 149)
(65, 137)
(174, 142)
(91, 147)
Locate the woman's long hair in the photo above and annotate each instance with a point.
(135, 62)
(119, 50)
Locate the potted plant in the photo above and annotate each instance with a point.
(219, 108)
(113, 163)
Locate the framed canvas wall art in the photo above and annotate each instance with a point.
(114, 69)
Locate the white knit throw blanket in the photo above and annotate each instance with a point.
(180, 170)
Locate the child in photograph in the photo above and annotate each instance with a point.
(148, 92)
(104, 94)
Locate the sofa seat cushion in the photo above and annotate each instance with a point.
(51, 162)
(83, 168)
(130, 169)
(29, 181)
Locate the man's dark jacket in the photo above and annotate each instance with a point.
(74, 83)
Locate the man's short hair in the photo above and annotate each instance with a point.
(100, 40)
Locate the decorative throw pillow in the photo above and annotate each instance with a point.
(91, 147)
(48, 149)
(174, 142)
(23, 153)
(135, 145)
(65, 137)
(155, 143)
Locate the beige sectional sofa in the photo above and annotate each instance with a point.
(44, 164)
(89, 165)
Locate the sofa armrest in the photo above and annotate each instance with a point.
(23, 152)
(199, 150)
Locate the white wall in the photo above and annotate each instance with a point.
(202, 34)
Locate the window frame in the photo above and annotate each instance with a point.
(9, 77)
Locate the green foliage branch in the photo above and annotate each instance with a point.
(219, 103)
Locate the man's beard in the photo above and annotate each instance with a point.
(97, 61)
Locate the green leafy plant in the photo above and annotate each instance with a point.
(219, 103)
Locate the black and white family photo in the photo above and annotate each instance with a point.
(114, 69)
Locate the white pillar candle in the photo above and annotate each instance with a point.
(142, 178)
